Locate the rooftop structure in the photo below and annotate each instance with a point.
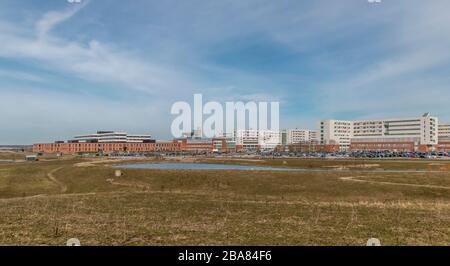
(112, 137)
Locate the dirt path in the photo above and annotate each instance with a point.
(62, 187)
(132, 185)
(355, 179)
(67, 195)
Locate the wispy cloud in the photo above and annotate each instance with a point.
(41, 116)
(20, 75)
(407, 78)
(53, 18)
(321, 59)
(92, 61)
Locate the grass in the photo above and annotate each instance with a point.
(10, 155)
(348, 163)
(223, 207)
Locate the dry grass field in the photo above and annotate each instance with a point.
(50, 201)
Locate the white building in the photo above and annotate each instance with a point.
(249, 139)
(336, 132)
(139, 138)
(269, 139)
(420, 130)
(301, 136)
(194, 134)
(444, 132)
(112, 136)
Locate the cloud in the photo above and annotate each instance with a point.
(93, 61)
(61, 114)
(20, 75)
(349, 59)
(51, 19)
(40, 116)
(406, 79)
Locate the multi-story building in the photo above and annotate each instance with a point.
(224, 144)
(294, 136)
(397, 134)
(249, 139)
(121, 142)
(284, 137)
(269, 139)
(106, 147)
(444, 138)
(194, 144)
(246, 139)
(108, 142)
(336, 132)
(444, 132)
(314, 136)
(112, 137)
(403, 134)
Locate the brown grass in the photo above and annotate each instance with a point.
(216, 207)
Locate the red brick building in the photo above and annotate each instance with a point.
(206, 145)
(72, 148)
(196, 145)
(313, 146)
(383, 146)
(443, 146)
(398, 146)
(178, 145)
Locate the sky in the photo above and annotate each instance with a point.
(68, 69)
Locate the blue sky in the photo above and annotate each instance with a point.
(68, 68)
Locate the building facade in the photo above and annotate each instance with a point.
(444, 137)
(106, 147)
(246, 139)
(397, 134)
(251, 140)
(444, 132)
(313, 146)
(301, 136)
(196, 145)
(269, 139)
(108, 142)
(112, 137)
(336, 132)
(404, 134)
(443, 146)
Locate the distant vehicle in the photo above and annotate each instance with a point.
(31, 157)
